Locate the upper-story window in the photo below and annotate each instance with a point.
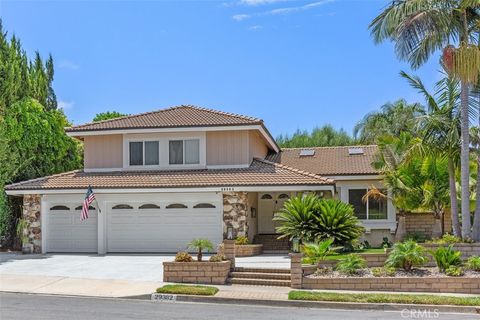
(144, 153)
(184, 151)
(371, 209)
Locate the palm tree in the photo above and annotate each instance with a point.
(392, 119)
(419, 28)
(200, 245)
(439, 129)
(475, 135)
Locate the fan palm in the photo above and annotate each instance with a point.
(392, 119)
(419, 28)
(200, 245)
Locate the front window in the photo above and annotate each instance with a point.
(372, 209)
(144, 153)
(184, 151)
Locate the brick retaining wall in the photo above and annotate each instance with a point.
(248, 250)
(423, 223)
(447, 285)
(196, 272)
(467, 249)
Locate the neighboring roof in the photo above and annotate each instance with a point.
(174, 117)
(329, 161)
(260, 173)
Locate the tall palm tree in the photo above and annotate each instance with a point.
(419, 28)
(439, 129)
(475, 135)
(392, 119)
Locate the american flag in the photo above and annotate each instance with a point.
(89, 197)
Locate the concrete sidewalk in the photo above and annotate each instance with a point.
(127, 288)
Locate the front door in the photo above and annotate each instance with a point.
(270, 203)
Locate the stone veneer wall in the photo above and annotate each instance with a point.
(235, 211)
(423, 223)
(31, 213)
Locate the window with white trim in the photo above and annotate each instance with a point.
(184, 151)
(144, 153)
(371, 209)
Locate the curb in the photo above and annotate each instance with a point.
(330, 304)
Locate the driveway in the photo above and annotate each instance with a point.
(132, 267)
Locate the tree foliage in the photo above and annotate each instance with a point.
(107, 115)
(325, 136)
(32, 138)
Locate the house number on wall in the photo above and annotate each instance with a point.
(228, 189)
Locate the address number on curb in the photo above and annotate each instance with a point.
(164, 297)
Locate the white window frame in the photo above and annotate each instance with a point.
(184, 153)
(143, 165)
(367, 204)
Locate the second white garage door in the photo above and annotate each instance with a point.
(164, 223)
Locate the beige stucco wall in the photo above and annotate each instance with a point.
(257, 146)
(103, 151)
(227, 147)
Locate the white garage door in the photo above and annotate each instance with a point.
(164, 223)
(66, 233)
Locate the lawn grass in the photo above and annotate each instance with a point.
(365, 251)
(384, 298)
(188, 289)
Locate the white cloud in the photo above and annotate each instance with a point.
(255, 28)
(258, 2)
(282, 11)
(240, 17)
(67, 64)
(299, 8)
(65, 105)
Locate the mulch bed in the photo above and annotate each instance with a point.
(415, 273)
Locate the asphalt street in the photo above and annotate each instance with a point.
(32, 307)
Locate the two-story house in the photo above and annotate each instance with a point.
(166, 177)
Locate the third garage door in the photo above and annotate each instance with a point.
(164, 223)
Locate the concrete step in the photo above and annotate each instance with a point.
(257, 282)
(262, 270)
(260, 275)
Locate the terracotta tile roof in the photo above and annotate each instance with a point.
(179, 116)
(328, 161)
(260, 173)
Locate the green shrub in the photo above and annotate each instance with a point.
(323, 271)
(200, 245)
(315, 252)
(351, 264)
(386, 243)
(183, 256)
(473, 263)
(454, 271)
(383, 271)
(406, 255)
(241, 240)
(417, 236)
(447, 239)
(217, 258)
(312, 219)
(446, 257)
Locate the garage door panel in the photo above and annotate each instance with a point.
(163, 230)
(67, 233)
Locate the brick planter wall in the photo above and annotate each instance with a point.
(447, 285)
(467, 249)
(248, 250)
(196, 272)
(423, 223)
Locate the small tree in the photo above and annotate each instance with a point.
(200, 245)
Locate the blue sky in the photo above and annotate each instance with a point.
(295, 64)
